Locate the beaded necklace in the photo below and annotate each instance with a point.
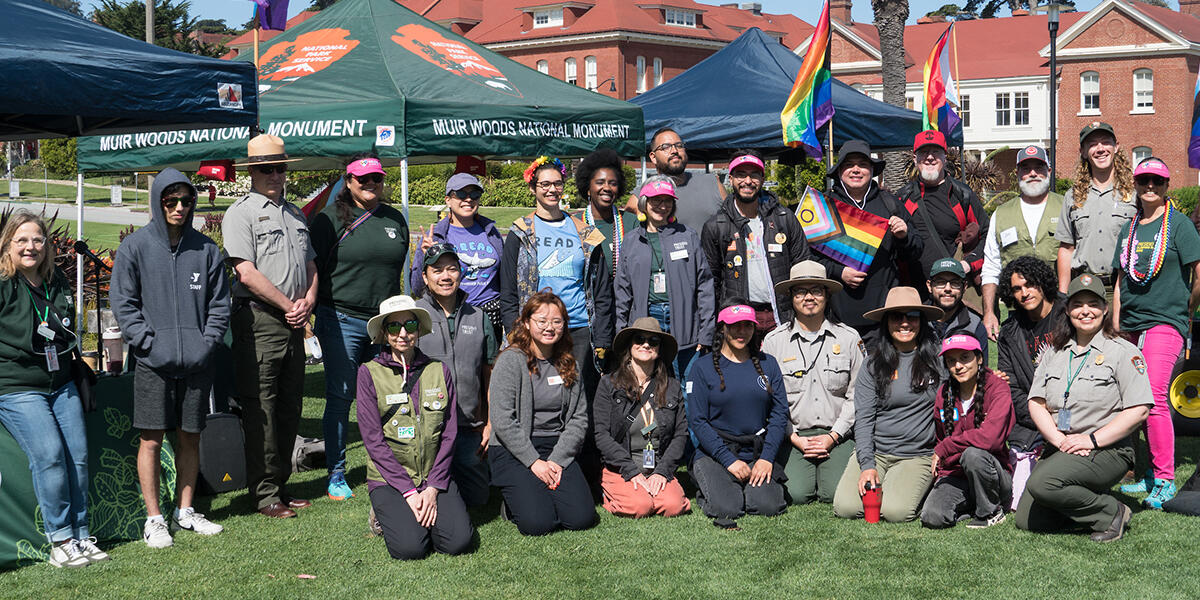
(618, 231)
(1129, 252)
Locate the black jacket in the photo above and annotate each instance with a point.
(964, 207)
(724, 238)
(613, 412)
(1012, 349)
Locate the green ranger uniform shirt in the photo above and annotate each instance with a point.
(1012, 234)
(1094, 228)
(658, 271)
(819, 372)
(367, 267)
(1164, 299)
(1111, 378)
(412, 426)
(273, 236)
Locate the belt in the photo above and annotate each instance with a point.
(261, 306)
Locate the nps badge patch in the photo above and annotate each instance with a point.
(1140, 364)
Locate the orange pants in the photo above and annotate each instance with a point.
(623, 499)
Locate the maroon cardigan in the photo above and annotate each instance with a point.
(991, 435)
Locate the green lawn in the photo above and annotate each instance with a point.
(806, 553)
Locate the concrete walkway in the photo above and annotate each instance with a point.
(92, 214)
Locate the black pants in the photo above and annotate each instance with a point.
(984, 488)
(721, 496)
(589, 456)
(536, 509)
(451, 533)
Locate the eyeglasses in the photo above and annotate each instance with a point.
(543, 324)
(369, 178)
(188, 202)
(954, 284)
(646, 340)
(269, 169)
(395, 327)
(545, 185)
(474, 194)
(668, 147)
(926, 152)
(746, 174)
(817, 291)
(1032, 166)
(1149, 180)
(912, 315)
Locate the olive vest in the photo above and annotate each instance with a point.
(1008, 217)
(413, 434)
(465, 353)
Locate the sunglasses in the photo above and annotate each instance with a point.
(369, 178)
(911, 315)
(269, 169)
(646, 340)
(463, 194)
(188, 202)
(395, 327)
(1149, 180)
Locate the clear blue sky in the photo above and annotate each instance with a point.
(236, 12)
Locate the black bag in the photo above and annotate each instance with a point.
(85, 381)
(222, 452)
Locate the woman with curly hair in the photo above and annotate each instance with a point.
(1029, 287)
(1096, 208)
(972, 418)
(600, 180)
(539, 421)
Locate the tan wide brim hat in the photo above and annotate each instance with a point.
(904, 299)
(391, 306)
(667, 346)
(265, 149)
(807, 271)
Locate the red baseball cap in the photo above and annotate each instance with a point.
(929, 137)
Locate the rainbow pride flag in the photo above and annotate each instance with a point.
(819, 220)
(1194, 144)
(857, 246)
(810, 104)
(938, 111)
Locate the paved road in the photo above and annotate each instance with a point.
(93, 214)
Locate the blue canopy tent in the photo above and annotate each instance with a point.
(732, 100)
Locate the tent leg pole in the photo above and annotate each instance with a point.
(79, 261)
(404, 203)
(643, 168)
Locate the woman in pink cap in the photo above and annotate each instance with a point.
(971, 418)
(361, 243)
(1157, 266)
(737, 408)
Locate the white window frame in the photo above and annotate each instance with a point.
(1143, 92)
(641, 74)
(1004, 110)
(1089, 85)
(570, 74)
(964, 111)
(1140, 153)
(549, 17)
(679, 18)
(589, 72)
(658, 72)
(1020, 109)
(543, 67)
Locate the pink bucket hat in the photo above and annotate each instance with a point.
(1152, 166)
(960, 342)
(737, 313)
(365, 166)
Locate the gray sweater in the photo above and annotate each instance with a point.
(510, 407)
(900, 426)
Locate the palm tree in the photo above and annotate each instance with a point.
(890, 16)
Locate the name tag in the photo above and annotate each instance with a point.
(774, 247)
(554, 380)
(1008, 237)
(406, 433)
(679, 254)
(396, 398)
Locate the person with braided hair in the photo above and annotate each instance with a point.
(1157, 267)
(972, 418)
(737, 409)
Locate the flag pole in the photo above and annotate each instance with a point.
(958, 94)
(256, 51)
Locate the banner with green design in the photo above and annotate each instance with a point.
(115, 508)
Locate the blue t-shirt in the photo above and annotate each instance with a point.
(742, 408)
(480, 263)
(560, 266)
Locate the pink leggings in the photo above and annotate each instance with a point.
(1161, 345)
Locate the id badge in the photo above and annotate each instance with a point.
(51, 358)
(648, 457)
(45, 331)
(659, 280)
(1064, 419)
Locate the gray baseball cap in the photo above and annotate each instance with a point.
(459, 181)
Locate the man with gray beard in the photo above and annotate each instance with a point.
(1020, 228)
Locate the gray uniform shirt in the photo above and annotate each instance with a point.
(1111, 379)
(901, 425)
(273, 236)
(1093, 228)
(819, 370)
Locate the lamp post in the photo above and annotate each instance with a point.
(1052, 11)
(612, 84)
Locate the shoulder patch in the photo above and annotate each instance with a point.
(1140, 364)
(862, 347)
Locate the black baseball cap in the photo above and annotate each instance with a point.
(1093, 127)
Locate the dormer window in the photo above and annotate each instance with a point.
(550, 17)
(679, 18)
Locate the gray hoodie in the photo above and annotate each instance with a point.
(172, 305)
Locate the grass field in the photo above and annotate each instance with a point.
(805, 553)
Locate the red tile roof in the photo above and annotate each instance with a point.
(246, 40)
(1185, 25)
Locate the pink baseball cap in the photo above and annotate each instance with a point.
(659, 187)
(747, 158)
(736, 314)
(960, 342)
(1152, 166)
(364, 166)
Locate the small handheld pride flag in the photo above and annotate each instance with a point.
(857, 246)
(819, 220)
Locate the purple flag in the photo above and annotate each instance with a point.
(1194, 143)
(272, 14)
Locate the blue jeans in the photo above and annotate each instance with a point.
(683, 359)
(345, 346)
(49, 428)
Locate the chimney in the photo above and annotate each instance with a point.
(839, 10)
(754, 7)
(1020, 12)
(1190, 7)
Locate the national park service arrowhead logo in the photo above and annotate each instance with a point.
(311, 52)
(453, 56)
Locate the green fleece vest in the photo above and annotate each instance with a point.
(413, 433)
(1008, 217)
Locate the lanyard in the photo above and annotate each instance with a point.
(808, 367)
(45, 318)
(1082, 363)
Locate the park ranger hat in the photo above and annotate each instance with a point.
(807, 271)
(904, 299)
(265, 149)
(1086, 283)
(667, 346)
(391, 306)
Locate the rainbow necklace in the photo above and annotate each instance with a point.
(618, 232)
(1129, 252)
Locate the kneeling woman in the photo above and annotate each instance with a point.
(737, 409)
(539, 422)
(408, 419)
(893, 411)
(640, 427)
(972, 420)
(1090, 391)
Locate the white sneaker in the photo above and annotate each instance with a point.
(156, 534)
(68, 555)
(91, 551)
(188, 518)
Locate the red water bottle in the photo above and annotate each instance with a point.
(872, 499)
